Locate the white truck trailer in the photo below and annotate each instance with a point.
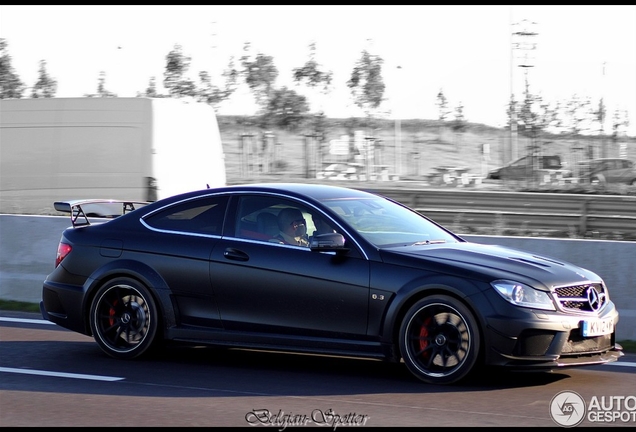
(138, 149)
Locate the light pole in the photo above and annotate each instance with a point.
(398, 132)
(520, 40)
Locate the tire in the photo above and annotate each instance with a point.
(124, 318)
(439, 340)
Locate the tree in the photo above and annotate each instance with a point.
(366, 83)
(45, 87)
(459, 123)
(11, 87)
(177, 64)
(527, 115)
(151, 90)
(286, 108)
(511, 111)
(214, 95)
(442, 106)
(101, 88)
(620, 123)
(260, 74)
(575, 114)
(600, 114)
(311, 74)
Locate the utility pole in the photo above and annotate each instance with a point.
(398, 130)
(521, 40)
(602, 111)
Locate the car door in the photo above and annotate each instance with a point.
(275, 288)
(181, 238)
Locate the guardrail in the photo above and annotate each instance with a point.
(578, 214)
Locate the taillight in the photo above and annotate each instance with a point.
(63, 250)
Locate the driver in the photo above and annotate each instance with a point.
(292, 226)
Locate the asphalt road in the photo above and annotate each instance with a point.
(53, 377)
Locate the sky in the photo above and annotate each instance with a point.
(465, 51)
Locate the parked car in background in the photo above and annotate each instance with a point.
(227, 267)
(531, 168)
(608, 170)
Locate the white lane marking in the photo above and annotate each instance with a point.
(34, 321)
(23, 320)
(621, 363)
(60, 374)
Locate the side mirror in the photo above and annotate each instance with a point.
(328, 242)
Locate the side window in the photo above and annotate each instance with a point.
(202, 216)
(260, 218)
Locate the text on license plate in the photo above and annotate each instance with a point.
(597, 327)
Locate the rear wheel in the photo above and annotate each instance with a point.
(124, 318)
(439, 340)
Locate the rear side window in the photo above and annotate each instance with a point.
(201, 216)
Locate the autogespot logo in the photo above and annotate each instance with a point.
(567, 409)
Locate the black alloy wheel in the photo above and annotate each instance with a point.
(439, 340)
(124, 318)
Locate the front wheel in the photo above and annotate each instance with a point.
(439, 340)
(124, 318)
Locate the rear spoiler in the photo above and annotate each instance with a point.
(100, 208)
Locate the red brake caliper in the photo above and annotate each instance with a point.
(111, 313)
(424, 337)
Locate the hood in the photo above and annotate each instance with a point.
(489, 262)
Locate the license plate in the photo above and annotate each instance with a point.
(597, 327)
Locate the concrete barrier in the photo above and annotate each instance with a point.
(28, 245)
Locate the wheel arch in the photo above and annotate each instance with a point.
(143, 274)
(459, 289)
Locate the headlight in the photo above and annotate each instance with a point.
(522, 295)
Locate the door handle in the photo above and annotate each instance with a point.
(235, 254)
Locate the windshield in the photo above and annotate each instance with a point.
(387, 224)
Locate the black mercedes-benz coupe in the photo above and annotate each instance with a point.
(320, 269)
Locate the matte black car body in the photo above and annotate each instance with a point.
(384, 282)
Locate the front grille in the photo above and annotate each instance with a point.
(533, 342)
(588, 298)
(576, 343)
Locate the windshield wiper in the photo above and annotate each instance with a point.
(427, 242)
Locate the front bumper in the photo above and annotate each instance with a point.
(547, 340)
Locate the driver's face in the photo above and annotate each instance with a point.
(299, 228)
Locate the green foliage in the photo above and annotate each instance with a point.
(45, 87)
(442, 105)
(311, 74)
(151, 90)
(101, 88)
(260, 74)
(10, 305)
(286, 109)
(11, 87)
(177, 65)
(366, 82)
